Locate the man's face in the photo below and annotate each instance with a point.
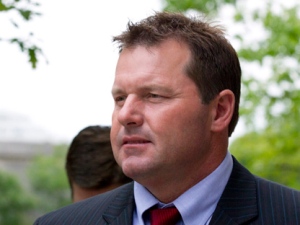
(160, 128)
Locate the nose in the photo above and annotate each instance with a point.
(130, 114)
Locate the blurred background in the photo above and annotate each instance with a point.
(57, 66)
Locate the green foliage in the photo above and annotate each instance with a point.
(271, 92)
(15, 202)
(26, 9)
(281, 49)
(48, 191)
(268, 156)
(206, 6)
(273, 151)
(49, 180)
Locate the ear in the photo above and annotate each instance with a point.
(223, 110)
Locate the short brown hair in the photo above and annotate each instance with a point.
(90, 162)
(214, 65)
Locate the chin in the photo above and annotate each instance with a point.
(134, 172)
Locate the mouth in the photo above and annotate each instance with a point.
(134, 140)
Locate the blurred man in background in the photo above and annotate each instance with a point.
(90, 164)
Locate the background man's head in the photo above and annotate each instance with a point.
(90, 164)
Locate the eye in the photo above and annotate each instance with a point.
(152, 95)
(119, 99)
(155, 98)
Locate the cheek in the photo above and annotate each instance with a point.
(114, 116)
(114, 139)
(187, 125)
(115, 126)
(116, 149)
(113, 133)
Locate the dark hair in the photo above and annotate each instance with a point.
(90, 162)
(214, 65)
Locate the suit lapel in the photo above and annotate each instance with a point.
(120, 210)
(238, 203)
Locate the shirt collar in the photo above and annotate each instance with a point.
(197, 204)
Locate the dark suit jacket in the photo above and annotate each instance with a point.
(246, 200)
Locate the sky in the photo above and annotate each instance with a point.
(72, 91)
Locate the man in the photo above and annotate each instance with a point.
(90, 164)
(176, 93)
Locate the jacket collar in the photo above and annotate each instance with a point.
(238, 203)
(120, 211)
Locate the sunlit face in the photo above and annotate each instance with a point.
(160, 128)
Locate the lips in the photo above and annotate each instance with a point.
(134, 140)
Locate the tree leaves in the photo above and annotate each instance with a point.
(28, 46)
(206, 6)
(5, 7)
(49, 182)
(15, 201)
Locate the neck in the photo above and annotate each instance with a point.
(167, 190)
(80, 193)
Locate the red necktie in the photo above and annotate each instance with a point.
(166, 216)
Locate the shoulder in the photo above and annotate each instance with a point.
(248, 199)
(90, 209)
(274, 203)
(277, 204)
(276, 193)
(265, 189)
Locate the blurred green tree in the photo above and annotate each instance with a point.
(26, 10)
(49, 181)
(15, 202)
(266, 36)
(268, 156)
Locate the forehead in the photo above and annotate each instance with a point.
(167, 60)
(165, 52)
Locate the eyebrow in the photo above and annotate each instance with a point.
(116, 90)
(155, 87)
(144, 88)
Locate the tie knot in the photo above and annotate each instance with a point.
(165, 216)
